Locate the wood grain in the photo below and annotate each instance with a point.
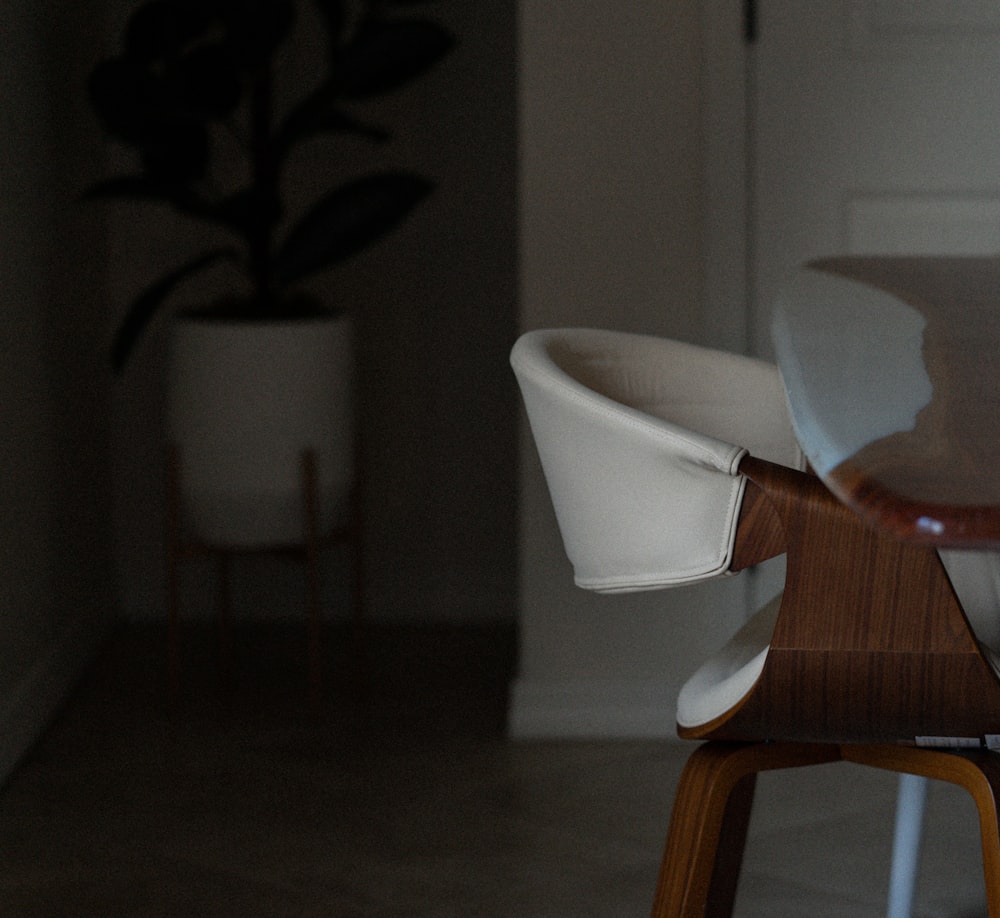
(871, 650)
(871, 643)
(701, 860)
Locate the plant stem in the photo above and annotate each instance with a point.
(265, 181)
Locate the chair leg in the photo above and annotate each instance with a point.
(977, 772)
(910, 804)
(709, 821)
(989, 830)
(729, 854)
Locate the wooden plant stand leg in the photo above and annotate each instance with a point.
(978, 772)
(173, 543)
(308, 551)
(700, 868)
(359, 646)
(314, 541)
(223, 622)
(314, 623)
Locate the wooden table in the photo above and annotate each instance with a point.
(892, 371)
(891, 368)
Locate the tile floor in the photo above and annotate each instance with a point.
(406, 801)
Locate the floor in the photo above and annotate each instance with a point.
(401, 798)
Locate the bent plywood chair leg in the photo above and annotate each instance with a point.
(700, 867)
(729, 852)
(978, 772)
(989, 829)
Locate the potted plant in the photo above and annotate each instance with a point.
(193, 88)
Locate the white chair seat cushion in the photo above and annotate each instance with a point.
(728, 675)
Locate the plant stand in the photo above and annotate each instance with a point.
(181, 547)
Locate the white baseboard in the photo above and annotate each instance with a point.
(593, 709)
(27, 710)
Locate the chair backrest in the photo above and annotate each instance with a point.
(640, 439)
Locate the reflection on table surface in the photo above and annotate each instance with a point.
(892, 370)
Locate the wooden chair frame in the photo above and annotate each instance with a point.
(871, 651)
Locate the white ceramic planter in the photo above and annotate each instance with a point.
(244, 401)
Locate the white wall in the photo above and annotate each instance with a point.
(56, 585)
(611, 235)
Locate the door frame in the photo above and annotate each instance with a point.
(727, 67)
(730, 309)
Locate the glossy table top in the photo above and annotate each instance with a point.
(892, 371)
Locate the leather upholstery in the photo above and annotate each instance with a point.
(640, 439)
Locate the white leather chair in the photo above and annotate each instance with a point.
(644, 442)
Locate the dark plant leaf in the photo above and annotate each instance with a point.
(248, 211)
(176, 151)
(146, 305)
(387, 54)
(124, 96)
(347, 220)
(238, 212)
(188, 63)
(146, 188)
(163, 28)
(255, 28)
(318, 113)
(133, 187)
(205, 82)
(334, 17)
